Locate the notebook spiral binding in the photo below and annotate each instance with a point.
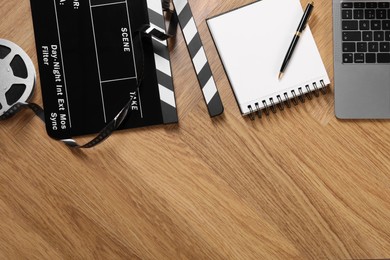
(267, 106)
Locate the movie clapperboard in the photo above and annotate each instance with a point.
(90, 65)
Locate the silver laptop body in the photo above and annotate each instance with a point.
(362, 91)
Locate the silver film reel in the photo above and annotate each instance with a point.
(17, 77)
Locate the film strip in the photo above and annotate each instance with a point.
(272, 104)
(198, 57)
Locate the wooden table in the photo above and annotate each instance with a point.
(297, 185)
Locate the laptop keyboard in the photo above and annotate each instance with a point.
(365, 32)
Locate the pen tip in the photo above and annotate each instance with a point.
(280, 75)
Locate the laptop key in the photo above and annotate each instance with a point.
(371, 5)
(359, 5)
(346, 14)
(358, 14)
(386, 25)
(383, 5)
(367, 36)
(361, 46)
(364, 25)
(369, 14)
(384, 47)
(376, 25)
(359, 58)
(346, 5)
(347, 58)
(350, 25)
(352, 36)
(349, 47)
(370, 57)
(383, 57)
(379, 36)
(381, 14)
(373, 47)
(387, 36)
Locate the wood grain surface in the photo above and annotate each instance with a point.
(297, 185)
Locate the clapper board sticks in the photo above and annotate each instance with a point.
(197, 53)
(198, 57)
(163, 62)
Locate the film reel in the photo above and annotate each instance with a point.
(17, 74)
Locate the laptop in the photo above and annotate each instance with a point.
(362, 59)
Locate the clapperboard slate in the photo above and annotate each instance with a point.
(89, 63)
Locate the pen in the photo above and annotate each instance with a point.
(301, 27)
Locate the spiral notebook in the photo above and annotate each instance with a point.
(252, 42)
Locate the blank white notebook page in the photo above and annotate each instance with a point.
(252, 42)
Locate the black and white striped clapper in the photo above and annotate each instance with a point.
(163, 63)
(198, 57)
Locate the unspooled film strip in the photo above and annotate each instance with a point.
(198, 57)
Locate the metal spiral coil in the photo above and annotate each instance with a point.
(270, 105)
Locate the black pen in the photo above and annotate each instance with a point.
(301, 27)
